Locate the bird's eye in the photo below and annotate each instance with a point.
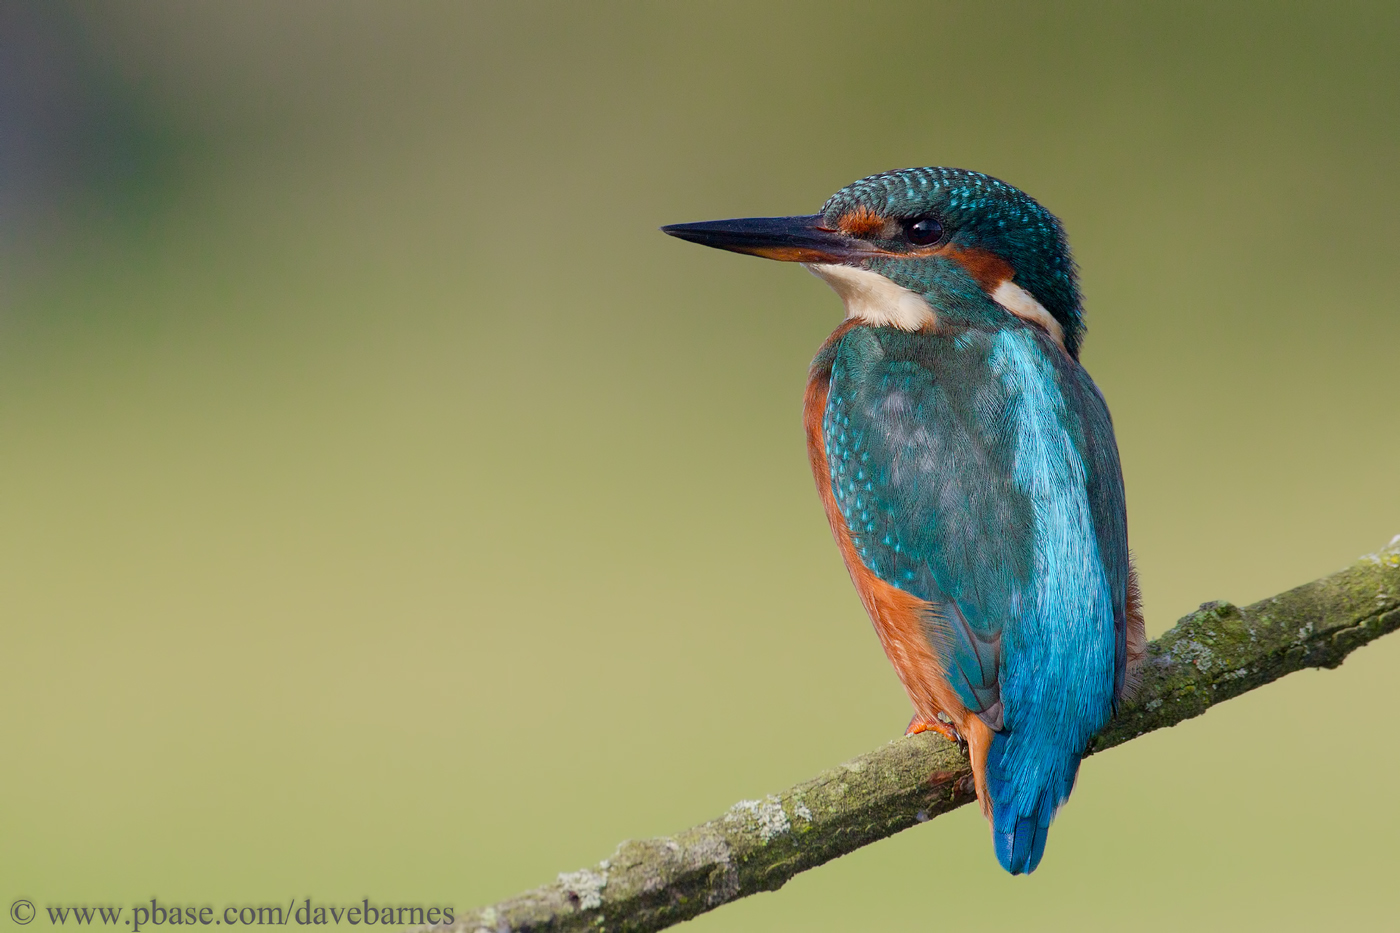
(923, 232)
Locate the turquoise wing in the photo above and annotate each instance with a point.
(923, 445)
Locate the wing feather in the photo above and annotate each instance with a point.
(920, 445)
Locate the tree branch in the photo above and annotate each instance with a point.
(1218, 652)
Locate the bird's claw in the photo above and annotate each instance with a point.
(918, 724)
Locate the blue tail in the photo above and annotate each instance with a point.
(1025, 795)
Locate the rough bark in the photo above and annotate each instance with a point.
(1211, 655)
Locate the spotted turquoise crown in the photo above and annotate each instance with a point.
(978, 212)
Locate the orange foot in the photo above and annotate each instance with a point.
(917, 725)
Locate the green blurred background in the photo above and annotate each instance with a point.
(390, 510)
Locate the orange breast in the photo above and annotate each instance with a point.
(899, 617)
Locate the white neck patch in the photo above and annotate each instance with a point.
(1021, 303)
(874, 299)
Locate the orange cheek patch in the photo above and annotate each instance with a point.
(989, 269)
(861, 222)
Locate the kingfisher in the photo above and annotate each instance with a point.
(969, 472)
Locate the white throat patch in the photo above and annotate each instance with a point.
(874, 299)
(1021, 303)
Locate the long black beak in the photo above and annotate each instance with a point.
(787, 239)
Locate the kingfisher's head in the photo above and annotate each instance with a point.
(914, 247)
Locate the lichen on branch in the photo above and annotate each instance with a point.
(1218, 652)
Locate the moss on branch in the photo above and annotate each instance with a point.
(1213, 654)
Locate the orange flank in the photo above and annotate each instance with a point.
(901, 620)
(1136, 635)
